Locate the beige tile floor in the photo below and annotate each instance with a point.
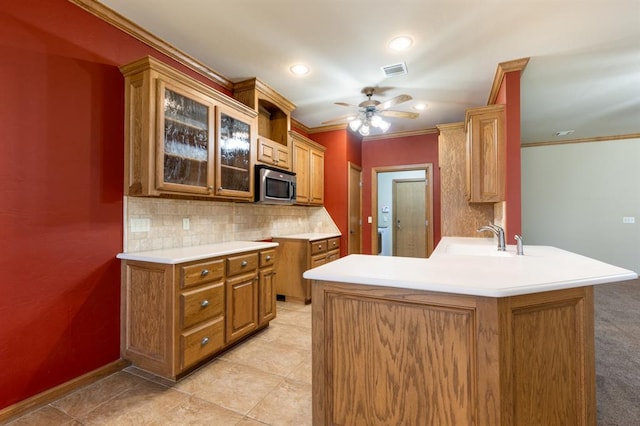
(264, 381)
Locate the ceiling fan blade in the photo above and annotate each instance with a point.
(399, 114)
(344, 104)
(340, 119)
(393, 101)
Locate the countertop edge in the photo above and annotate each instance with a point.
(208, 251)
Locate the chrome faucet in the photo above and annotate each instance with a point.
(498, 231)
(520, 243)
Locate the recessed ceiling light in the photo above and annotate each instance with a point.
(399, 43)
(299, 69)
(564, 132)
(420, 106)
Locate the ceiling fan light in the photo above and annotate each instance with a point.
(364, 130)
(384, 125)
(376, 120)
(355, 124)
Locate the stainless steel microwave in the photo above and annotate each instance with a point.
(274, 186)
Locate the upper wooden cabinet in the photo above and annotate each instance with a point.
(274, 121)
(307, 159)
(183, 137)
(486, 154)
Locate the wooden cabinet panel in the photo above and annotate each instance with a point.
(200, 342)
(242, 302)
(525, 359)
(201, 273)
(267, 258)
(242, 263)
(295, 256)
(485, 154)
(308, 164)
(273, 153)
(201, 304)
(267, 295)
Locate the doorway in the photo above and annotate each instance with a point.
(415, 191)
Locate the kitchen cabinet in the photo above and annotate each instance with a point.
(177, 316)
(242, 295)
(485, 154)
(184, 138)
(267, 287)
(274, 121)
(298, 253)
(308, 165)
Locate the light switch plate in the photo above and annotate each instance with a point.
(628, 219)
(185, 223)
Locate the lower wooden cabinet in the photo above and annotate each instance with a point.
(298, 254)
(177, 316)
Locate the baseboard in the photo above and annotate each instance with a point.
(50, 395)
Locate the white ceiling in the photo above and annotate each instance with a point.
(583, 73)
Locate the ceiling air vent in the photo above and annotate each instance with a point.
(394, 70)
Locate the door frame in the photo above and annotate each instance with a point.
(353, 166)
(428, 173)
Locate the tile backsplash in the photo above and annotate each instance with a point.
(158, 223)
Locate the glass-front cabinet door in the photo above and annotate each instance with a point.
(185, 131)
(234, 175)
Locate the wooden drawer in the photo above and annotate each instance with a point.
(333, 243)
(243, 263)
(200, 273)
(333, 255)
(318, 260)
(267, 258)
(200, 342)
(318, 247)
(201, 304)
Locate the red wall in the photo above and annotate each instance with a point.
(509, 94)
(61, 179)
(395, 152)
(341, 147)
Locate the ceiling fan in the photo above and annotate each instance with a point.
(371, 111)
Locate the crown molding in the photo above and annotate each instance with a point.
(396, 135)
(503, 68)
(451, 126)
(330, 128)
(113, 18)
(583, 140)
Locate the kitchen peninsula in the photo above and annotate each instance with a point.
(468, 336)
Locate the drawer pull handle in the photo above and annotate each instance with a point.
(204, 273)
(319, 246)
(204, 303)
(244, 263)
(268, 258)
(204, 341)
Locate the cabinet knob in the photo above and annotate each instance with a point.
(204, 303)
(210, 188)
(220, 188)
(257, 278)
(204, 273)
(244, 263)
(204, 341)
(319, 246)
(268, 258)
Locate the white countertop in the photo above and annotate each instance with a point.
(188, 254)
(311, 236)
(473, 266)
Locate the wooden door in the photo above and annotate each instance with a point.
(410, 226)
(300, 164)
(355, 210)
(316, 177)
(242, 305)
